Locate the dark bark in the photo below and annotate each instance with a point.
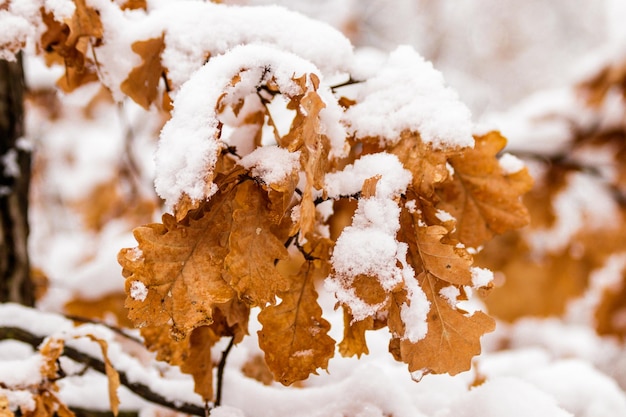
(15, 283)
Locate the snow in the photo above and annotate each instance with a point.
(515, 398)
(62, 9)
(190, 141)
(14, 34)
(349, 181)
(407, 93)
(369, 246)
(450, 294)
(510, 164)
(444, 216)
(588, 392)
(138, 291)
(29, 371)
(606, 278)
(527, 128)
(271, 164)
(414, 315)
(585, 202)
(480, 276)
(9, 164)
(26, 371)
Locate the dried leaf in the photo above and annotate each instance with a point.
(48, 404)
(198, 361)
(104, 307)
(256, 368)
(84, 23)
(612, 76)
(51, 351)
(427, 165)
(134, 5)
(5, 411)
(113, 376)
(484, 200)
(540, 282)
(453, 337)
(143, 81)
(294, 336)
(111, 200)
(354, 342)
(69, 42)
(193, 353)
(249, 267)
(176, 271)
(306, 135)
(531, 286)
(443, 261)
(610, 314)
(75, 78)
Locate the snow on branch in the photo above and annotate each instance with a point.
(34, 327)
(407, 93)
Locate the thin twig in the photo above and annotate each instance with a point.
(350, 81)
(220, 371)
(114, 329)
(355, 196)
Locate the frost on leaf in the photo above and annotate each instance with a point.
(294, 336)
(480, 196)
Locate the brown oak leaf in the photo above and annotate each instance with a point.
(484, 200)
(193, 353)
(453, 337)
(142, 83)
(68, 41)
(134, 5)
(306, 135)
(84, 23)
(113, 377)
(175, 273)
(249, 266)
(427, 165)
(294, 336)
(354, 342)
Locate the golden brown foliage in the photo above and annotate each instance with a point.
(143, 81)
(586, 263)
(254, 242)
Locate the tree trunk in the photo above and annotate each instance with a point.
(15, 283)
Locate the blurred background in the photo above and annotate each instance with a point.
(493, 52)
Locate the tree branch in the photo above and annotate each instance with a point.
(220, 372)
(139, 389)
